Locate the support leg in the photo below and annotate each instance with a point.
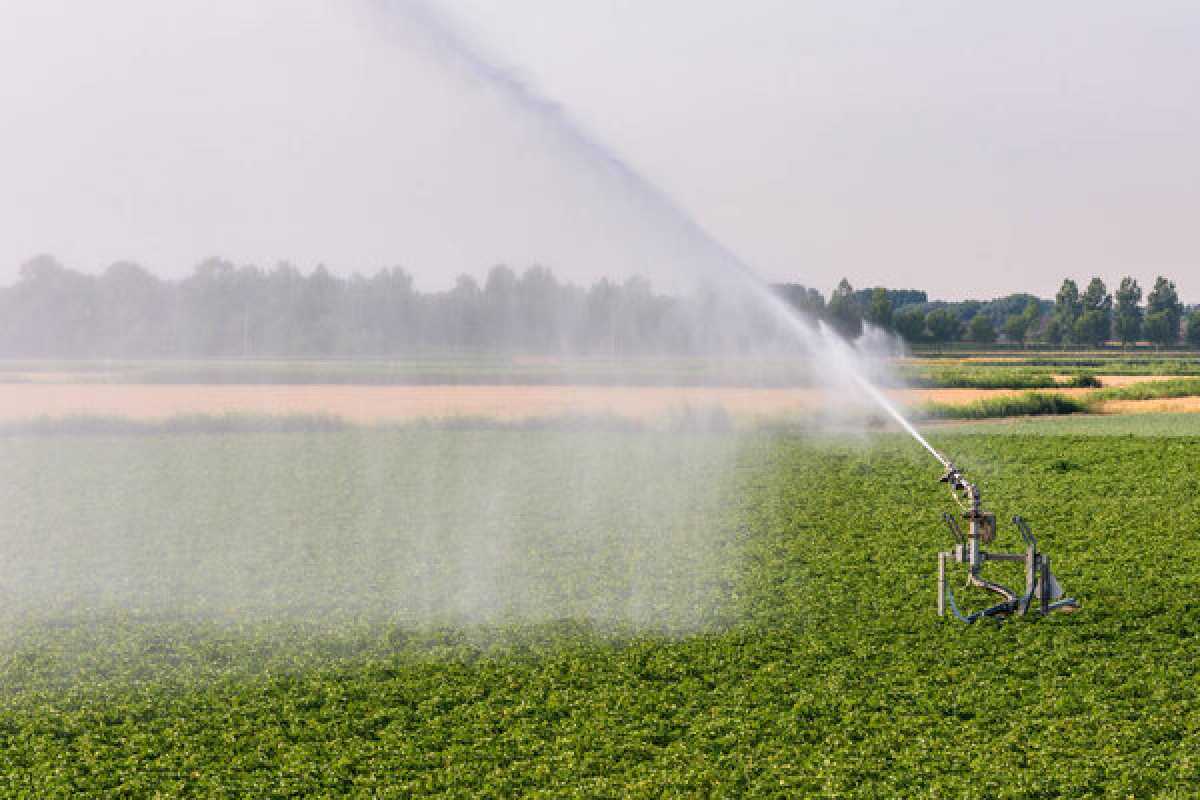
(1044, 586)
(1031, 559)
(941, 584)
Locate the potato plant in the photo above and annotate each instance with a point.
(783, 642)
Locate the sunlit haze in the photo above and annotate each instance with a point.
(965, 149)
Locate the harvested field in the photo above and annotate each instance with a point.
(1163, 405)
(369, 404)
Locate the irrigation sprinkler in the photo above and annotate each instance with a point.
(1042, 593)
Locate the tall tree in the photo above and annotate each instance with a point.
(910, 324)
(879, 310)
(1158, 329)
(1018, 326)
(1055, 331)
(1068, 306)
(1092, 327)
(1096, 297)
(944, 325)
(1094, 324)
(132, 312)
(1128, 317)
(844, 313)
(1163, 312)
(1193, 328)
(805, 299)
(981, 330)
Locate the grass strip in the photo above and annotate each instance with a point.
(1032, 404)
(1028, 404)
(1150, 390)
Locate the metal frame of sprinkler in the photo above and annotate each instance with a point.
(1042, 593)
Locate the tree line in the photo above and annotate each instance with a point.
(1093, 317)
(225, 310)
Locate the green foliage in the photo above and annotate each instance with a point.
(845, 314)
(1092, 328)
(1108, 363)
(964, 377)
(828, 675)
(981, 330)
(805, 299)
(1161, 328)
(1128, 317)
(1181, 425)
(1068, 305)
(910, 324)
(1163, 312)
(943, 325)
(1084, 380)
(1017, 327)
(1049, 403)
(1055, 332)
(1021, 405)
(1193, 329)
(1152, 390)
(879, 310)
(1096, 297)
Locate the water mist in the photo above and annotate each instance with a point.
(427, 527)
(709, 263)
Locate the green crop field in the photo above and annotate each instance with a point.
(588, 614)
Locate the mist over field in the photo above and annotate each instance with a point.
(410, 528)
(440, 527)
(406, 398)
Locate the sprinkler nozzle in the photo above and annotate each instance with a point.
(954, 477)
(958, 483)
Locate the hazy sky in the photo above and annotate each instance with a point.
(967, 148)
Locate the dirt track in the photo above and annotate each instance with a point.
(1158, 406)
(380, 403)
(359, 403)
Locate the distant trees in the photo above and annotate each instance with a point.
(1068, 306)
(1017, 327)
(1128, 318)
(1055, 331)
(943, 325)
(844, 312)
(1096, 297)
(879, 310)
(1193, 328)
(808, 301)
(1164, 313)
(900, 311)
(1091, 317)
(1157, 329)
(1094, 323)
(981, 329)
(909, 323)
(226, 310)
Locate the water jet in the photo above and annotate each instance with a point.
(726, 271)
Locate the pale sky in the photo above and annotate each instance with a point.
(969, 149)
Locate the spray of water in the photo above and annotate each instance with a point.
(719, 265)
(881, 399)
(415, 527)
